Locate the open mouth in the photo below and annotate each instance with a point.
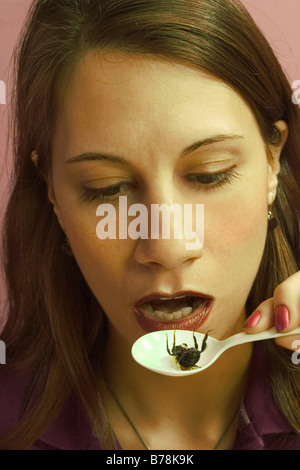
(186, 311)
(172, 309)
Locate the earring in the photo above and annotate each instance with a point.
(272, 222)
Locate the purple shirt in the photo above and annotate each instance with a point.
(261, 424)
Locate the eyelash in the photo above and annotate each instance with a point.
(93, 194)
(217, 180)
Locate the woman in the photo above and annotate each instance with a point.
(174, 102)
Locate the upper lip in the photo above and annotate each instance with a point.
(157, 295)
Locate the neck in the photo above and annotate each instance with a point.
(209, 397)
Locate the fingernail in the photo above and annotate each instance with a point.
(282, 317)
(252, 320)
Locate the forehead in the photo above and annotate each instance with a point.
(132, 99)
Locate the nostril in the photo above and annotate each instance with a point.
(167, 253)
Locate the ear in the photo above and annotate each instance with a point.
(35, 158)
(51, 194)
(52, 199)
(274, 161)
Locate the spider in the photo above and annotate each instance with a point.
(187, 357)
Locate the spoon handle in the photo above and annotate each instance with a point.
(241, 338)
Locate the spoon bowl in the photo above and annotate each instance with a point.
(150, 350)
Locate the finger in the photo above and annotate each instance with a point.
(287, 304)
(262, 318)
(290, 342)
(287, 310)
(282, 310)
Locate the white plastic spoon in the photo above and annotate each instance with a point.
(151, 351)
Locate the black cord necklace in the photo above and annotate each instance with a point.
(228, 425)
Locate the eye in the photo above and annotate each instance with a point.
(109, 193)
(211, 181)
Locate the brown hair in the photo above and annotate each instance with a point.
(50, 333)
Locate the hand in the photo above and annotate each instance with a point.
(281, 310)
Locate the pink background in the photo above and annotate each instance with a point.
(279, 20)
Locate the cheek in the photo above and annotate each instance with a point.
(103, 263)
(241, 216)
(235, 238)
(246, 224)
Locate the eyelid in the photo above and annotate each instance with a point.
(92, 194)
(209, 166)
(113, 180)
(221, 178)
(211, 173)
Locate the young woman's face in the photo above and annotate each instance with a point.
(159, 132)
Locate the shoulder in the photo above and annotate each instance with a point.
(69, 431)
(12, 396)
(262, 425)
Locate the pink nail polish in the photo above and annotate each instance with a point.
(282, 317)
(252, 320)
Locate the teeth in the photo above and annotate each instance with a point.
(198, 302)
(158, 314)
(176, 315)
(148, 308)
(168, 298)
(181, 313)
(186, 311)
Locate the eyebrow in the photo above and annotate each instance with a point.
(94, 156)
(211, 140)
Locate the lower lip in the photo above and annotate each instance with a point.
(192, 322)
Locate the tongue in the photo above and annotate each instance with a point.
(172, 304)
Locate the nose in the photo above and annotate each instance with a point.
(175, 235)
